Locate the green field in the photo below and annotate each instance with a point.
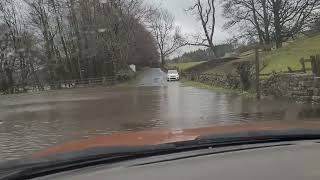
(278, 60)
(290, 55)
(184, 66)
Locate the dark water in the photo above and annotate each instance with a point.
(30, 122)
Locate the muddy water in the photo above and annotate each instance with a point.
(30, 122)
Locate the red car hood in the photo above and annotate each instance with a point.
(155, 137)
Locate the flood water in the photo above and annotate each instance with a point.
(31, 122)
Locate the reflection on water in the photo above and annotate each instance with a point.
(32, 122)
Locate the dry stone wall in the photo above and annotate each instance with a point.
(301, 87)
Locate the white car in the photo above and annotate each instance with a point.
(173, 75)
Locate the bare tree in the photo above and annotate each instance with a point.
(290, 17)
(315, 23)
(252, 16)
(205, 12)
(10, 31)
(18, 57)
(41, 19)
(268, 20)
(167, 35)
(71, 39)
(143, 49)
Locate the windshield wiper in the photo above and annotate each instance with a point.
(252, 137)
(96, 156)
(27, 169)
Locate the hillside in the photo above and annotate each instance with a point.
(184, 66)
(277, 60)
(290, 55)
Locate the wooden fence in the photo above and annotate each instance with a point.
(82, 82)
(64, 84)
(315, 66)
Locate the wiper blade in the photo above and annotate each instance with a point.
(75, 160)
(259, 137)
(96, 156)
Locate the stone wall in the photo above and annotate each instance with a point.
(300, 87)
(232, 82)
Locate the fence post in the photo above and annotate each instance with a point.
(257, 68)
(313, 64)
(303, 65)
(317, 65)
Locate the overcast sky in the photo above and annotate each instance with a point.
(188, 23)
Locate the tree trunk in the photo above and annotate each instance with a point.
(256, 23)
(38, 82)
(266, 23)
(277, 24)
(62, 38)
(213, 50)
(162, 56)
(75, 26)
(10, 83)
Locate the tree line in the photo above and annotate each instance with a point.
(253, 21)
(206, 54)
(43, 41)
(270, 21)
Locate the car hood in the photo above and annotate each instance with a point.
(163, 136)
(128, 146)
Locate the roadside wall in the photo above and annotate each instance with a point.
(232, 82)
(300, 87)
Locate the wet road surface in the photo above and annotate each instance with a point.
(30, 122)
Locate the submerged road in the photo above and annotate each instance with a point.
(30, 122)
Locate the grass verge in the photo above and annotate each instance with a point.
(200, 85)
(277, 60)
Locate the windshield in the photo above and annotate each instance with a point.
(172, 72)
(83, 69)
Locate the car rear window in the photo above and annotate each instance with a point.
(172, 71)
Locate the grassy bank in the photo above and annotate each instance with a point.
(290, 55)
(277, 60)
(200, 85)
